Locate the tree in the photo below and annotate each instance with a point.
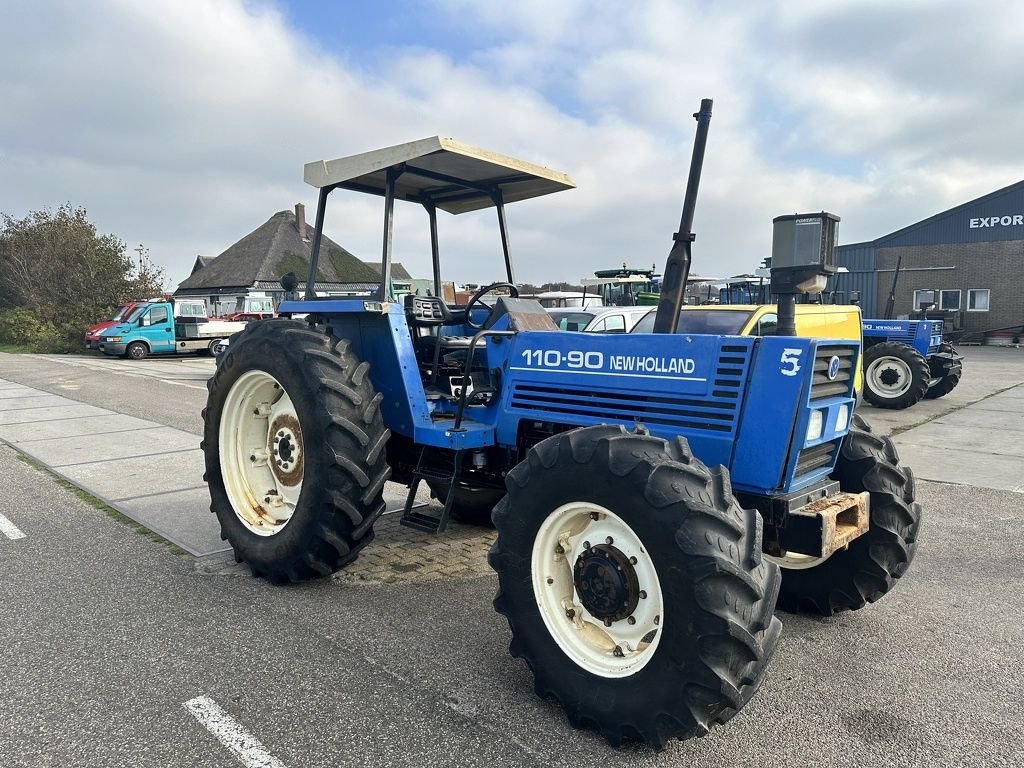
(54, 265)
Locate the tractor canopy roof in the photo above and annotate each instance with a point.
(454, 177)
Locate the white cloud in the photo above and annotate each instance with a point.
(185, 125)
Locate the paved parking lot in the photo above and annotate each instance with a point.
(401, 660)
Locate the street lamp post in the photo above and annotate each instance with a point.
(142, 251)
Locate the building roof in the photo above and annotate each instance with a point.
(273, 249)
(398, 272)
(201, 261)
(970, 222)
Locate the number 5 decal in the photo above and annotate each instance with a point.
(790, 361)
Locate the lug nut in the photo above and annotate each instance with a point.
(630, 620)
(551, 581)
(586, 545)
(643, 594)
(607, 622)
(595, 516)
(609, 540)
(570, 613)
(632, 560)
(617, 651)
(559, 550)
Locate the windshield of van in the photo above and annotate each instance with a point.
(134, 314)
(716, 322)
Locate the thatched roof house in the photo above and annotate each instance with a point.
(280, 245)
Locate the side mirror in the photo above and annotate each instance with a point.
(146, 321)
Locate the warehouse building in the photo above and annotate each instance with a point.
(967, 261)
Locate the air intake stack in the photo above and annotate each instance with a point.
(803, 259)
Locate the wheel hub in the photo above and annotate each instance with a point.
(889, 376)
(606, 583)
(285, 446)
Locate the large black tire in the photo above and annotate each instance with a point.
(895, 376)
(950, 378)
(136, 351)
(472, 506)
(718, 595)
(342, 442)
(870, 566)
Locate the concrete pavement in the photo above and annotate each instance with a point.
(108, 635)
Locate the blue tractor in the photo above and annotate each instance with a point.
(646, 489)
(906, 360)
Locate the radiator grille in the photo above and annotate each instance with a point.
(822, 386)
(814, 458)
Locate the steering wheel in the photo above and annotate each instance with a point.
(475, 299)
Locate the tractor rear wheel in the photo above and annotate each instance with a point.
(294, 447)
(633, 584)
(869, 567)
(950, 378)
(895, 375)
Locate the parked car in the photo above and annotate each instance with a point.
(598, 319)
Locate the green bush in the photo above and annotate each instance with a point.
(22, 328)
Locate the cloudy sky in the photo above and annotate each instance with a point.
(184, 124)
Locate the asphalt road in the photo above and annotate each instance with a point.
(107, 634)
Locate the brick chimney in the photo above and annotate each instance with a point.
(300, 220)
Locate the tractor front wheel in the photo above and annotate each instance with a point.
(895, 375)
(869, 567)
(633, 584)
(294, 447)
(950, 376)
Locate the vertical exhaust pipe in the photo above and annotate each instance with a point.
(677, 268)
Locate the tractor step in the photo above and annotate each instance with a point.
(421, 521)
(826, 525)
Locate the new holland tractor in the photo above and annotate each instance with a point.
(650, 486)
(907, 360)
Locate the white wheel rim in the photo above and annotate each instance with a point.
(883, 365)
(608, 648)
(794, 561)
(262, 458)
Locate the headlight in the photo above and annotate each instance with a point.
(815, 425)
(843, 418)
(113, 338)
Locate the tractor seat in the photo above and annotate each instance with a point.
(430, 311)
